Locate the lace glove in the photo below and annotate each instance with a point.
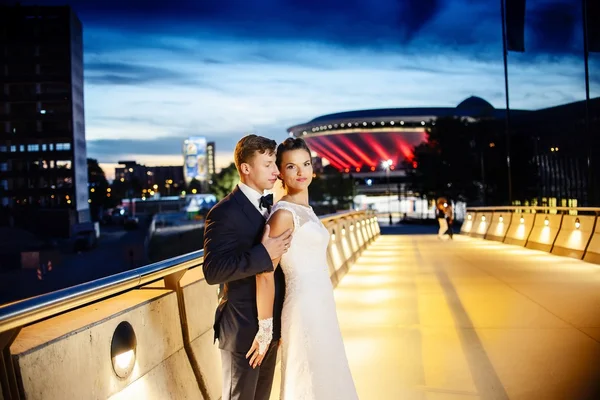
(264, 335)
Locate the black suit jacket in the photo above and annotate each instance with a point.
(233, 256)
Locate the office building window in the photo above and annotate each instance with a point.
(22, 148)
(3, 167)
(33, 147)
(44, 147)
(63, 146)
(3, 149)
(65, 164)
(66, 182)
(13, 149)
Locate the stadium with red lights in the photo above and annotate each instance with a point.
(363, 141)
(371, 146)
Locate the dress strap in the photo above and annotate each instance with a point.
(281, 206)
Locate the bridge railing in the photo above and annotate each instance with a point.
(144, 333)
(567, 231)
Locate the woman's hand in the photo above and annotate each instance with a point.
(261, 342)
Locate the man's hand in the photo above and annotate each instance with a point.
(276, 246)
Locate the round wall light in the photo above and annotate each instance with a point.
(123, 349)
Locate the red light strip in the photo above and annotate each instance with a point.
(372, 142)
(404, 148)
(356, 150)
(338, 151)
(336, 162)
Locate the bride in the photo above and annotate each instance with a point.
(314, 363)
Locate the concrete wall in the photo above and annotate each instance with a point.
(499, 226)
(574, 236)
(481, 224)
(592, 253)
(69, 356)
(544, 232)
(519, 229)
(467, 225)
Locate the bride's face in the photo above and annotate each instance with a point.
(296, 169)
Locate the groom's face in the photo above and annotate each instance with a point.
(262, 171)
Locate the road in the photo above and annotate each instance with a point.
(111, 256)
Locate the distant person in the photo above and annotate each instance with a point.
(449, 215)
(441, 217)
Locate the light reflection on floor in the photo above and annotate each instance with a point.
(469, 319)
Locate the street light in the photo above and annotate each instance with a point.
(387, 165)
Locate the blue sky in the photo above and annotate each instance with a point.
(157, 72)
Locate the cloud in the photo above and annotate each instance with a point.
(123, 73)
(424, 25)
(158, 72)
(552, 27)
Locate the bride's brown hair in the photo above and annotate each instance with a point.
(290, 144)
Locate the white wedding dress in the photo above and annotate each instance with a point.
(314, 363)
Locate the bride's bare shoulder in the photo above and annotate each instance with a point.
(281, 219)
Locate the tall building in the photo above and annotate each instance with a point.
(43, 168)
(210, 157)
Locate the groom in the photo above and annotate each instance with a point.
(237, 247)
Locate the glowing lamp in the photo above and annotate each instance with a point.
(123, 349)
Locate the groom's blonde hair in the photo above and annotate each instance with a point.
(248, 146)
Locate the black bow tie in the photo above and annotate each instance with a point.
(266, 202)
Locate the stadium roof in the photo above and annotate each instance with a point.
(473, 106)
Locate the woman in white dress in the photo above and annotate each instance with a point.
(314, 363)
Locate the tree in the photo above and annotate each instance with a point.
(98, 186)
(333, 187)
(224, 182)
(195, 184)
(449, 162)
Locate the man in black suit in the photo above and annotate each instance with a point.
(237, 247)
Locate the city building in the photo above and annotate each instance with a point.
(167, 180)
(43, 169)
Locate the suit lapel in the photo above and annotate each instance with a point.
(255, 217)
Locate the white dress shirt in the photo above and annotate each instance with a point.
(254, 197)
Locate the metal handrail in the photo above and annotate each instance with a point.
(534, 208)
(34, 309)
(37, 308)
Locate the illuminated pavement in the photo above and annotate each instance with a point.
(469, 319)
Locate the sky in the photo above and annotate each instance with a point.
(157, 72)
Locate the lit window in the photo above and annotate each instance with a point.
(3, 149)
(66, 164)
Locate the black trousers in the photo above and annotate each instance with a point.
(450, 230)
(242, 382)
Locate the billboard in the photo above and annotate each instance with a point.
(195, 163)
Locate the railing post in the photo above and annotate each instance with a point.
(8, 378)
(173, 282)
